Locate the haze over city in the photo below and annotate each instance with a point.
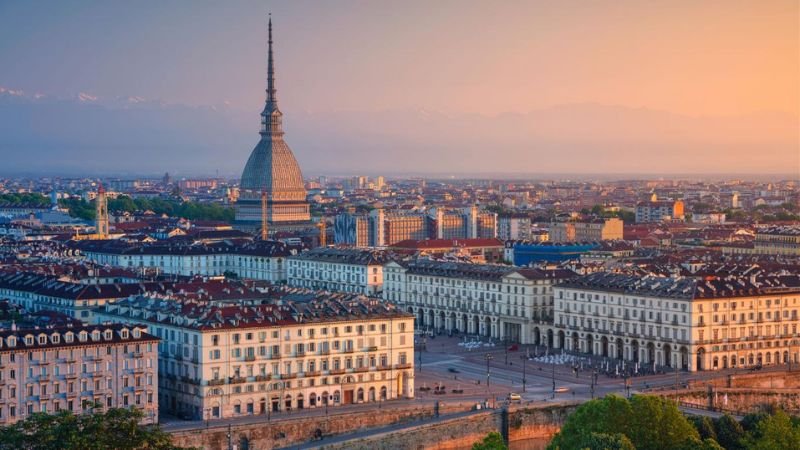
(413, 87)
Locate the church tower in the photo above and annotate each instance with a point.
(272, 170)
(101, 213)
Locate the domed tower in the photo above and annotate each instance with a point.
(272, 171)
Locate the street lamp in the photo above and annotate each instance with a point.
(524, 359)
(554, 379)
(505, 345)
(594, 381)
(488, 357)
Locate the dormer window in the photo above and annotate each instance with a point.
(69, 337)
(108, 335)
(124, 333)
(55, 338)
(96, 335)
(42, 339)
(136, 333)
(29, 340)
(82, 336)
(12, 341)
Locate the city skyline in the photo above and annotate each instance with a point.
(676, 88)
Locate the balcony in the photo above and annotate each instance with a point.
(138, 355)
(362, 369)
(44, 378)
(237, 380)
(249, 357)
(275, 356)
(288, 376)
(216, 382)
(312, 373)
(70, 376)
(374, 348)
(324, 352)
(336, 371)
(403, 366)
(299, 353)
(44, 397)
(347, 350)
(190, 380)
(263, 377)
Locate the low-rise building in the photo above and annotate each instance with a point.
(80, 369)
(291, 349)
(338, 269)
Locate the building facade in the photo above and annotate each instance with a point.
(777, 240)
(231, 360)
(682, 323)
(338, 269)
(514, 227)
(586, 230)
(78, 369)
(659, 211)
(490, 300)
(259, 260)
(384, 228)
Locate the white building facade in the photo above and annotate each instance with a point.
(230, 361)
(497, 301)
(680, 323)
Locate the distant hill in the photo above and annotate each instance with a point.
(86, 134)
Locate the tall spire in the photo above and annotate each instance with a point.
(271, 116)
(270, 68)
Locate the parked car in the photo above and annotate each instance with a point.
(514, 397)
(561, 390)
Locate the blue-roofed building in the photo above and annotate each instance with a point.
(526, 252)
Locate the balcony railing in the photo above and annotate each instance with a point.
(336, 371)
(217, 382)
(237, 380)
(263, 377)
(403, 366)
(249, 357)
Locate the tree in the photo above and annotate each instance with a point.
(117, 428)
(492, 441)
(705, 426)
(649, 422)
(603, 441)
(607, 415)
(729, 432)
(657, 423)
(774, 432)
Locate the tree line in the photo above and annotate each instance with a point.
(82, 209)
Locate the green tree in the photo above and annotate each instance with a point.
(492, 441)
(649, 422)
(607, 415)
(774, 432)
(602, 441)
(729, 432)
(705, 426)
(657, 423)
(116, 428)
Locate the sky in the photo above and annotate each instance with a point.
(391, 87)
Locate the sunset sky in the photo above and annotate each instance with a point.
(732, 64)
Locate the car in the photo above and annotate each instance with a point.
(453, 370)
(561, 390)
(513, 397)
